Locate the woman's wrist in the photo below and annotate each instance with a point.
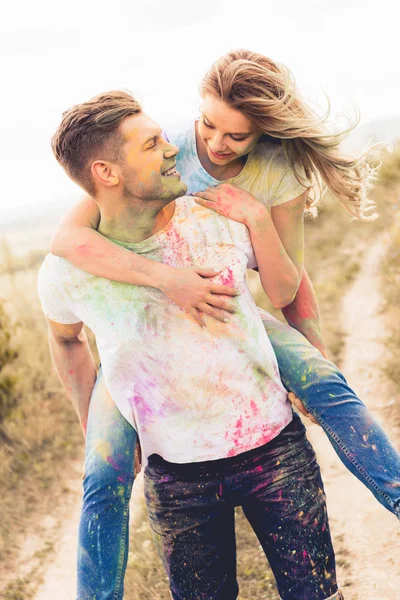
(151, 273)
(161, 276)
(258, 220)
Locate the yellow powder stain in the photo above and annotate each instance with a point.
(103, 449)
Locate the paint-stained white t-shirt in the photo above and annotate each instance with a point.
(192, 393)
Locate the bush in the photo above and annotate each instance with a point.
(8, 396)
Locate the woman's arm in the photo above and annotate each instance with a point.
(77, 240)
(279, 262)
(303, 312)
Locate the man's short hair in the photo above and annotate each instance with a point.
(90, 131)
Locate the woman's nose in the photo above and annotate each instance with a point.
(218, 143)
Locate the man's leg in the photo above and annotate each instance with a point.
(357, 438)
(284, 501)
(108, 480)
(193, 528)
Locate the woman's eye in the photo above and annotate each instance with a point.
(236, 139)
(207, 124)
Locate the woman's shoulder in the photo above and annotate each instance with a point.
(180, 134)
(269, 151)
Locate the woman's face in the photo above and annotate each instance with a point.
(227, 134)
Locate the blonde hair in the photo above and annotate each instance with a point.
(265, 92)
(90, 131)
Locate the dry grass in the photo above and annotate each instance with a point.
(40, 436)
(390, 287)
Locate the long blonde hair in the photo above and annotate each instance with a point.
(266, 93)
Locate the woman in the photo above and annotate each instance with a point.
(256, 133)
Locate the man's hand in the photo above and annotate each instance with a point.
(296, 402)
(191, 288)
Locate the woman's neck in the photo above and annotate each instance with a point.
(220, 172)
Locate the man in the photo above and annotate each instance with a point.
(212, 415)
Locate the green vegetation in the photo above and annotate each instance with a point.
(8, 354)
(389, 188)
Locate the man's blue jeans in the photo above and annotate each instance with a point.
(359, 441)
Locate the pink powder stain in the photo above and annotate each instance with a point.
(112, 462)
(258, 469)
(254, 407)
(141, 405)
(227, 279)
(305, 554)
(71, 372)
(84, 249)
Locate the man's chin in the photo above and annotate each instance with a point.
(178, 191)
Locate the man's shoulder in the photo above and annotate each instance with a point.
(59, 271)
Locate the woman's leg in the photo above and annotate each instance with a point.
(107, 486)
(358, 439)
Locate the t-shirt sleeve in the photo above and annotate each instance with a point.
(54, 300)
(284, 185)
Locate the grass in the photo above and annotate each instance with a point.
(40, 436)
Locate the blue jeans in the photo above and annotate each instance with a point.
(111, 441)
(359, 441)
(192, 515)
(107, 486)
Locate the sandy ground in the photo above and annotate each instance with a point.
(367, 537)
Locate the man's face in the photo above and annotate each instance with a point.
(148, 161)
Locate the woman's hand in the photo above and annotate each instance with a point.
(234, 203)
(191, 289)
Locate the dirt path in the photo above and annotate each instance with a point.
(367, 537)
(59, 579)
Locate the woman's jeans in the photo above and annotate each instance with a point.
(359, 441)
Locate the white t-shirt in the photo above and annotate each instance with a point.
(192, 394)
(266, 174)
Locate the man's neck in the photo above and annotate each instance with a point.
(133, 224)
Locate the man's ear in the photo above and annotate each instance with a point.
(105, 173)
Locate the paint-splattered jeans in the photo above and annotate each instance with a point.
(191, 508)
(107, 486)
(357, 438)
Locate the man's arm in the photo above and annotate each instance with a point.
(303, 314)
(74, 364)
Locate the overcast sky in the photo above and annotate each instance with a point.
(55, 54)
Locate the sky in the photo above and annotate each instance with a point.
(54, 55)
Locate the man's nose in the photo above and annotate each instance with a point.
(170, 150)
